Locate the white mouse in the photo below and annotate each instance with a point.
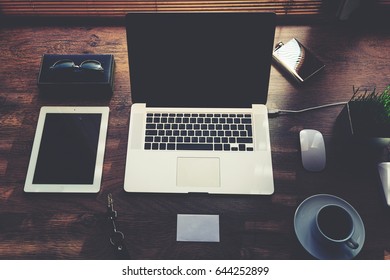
(312, 150)
(384, 173)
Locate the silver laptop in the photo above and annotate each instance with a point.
(199, 84)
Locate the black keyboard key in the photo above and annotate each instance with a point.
(194, 146)
(248, 128)
(241, 147)
(244, 140)
(148, 146)
(218, 147)
(243, 133)
(171, 146)
(151, 132)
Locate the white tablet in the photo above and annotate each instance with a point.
(68, 150)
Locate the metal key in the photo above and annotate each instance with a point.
(116, 237)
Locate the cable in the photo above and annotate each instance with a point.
(276, 112)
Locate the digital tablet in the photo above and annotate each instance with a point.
(68, 150)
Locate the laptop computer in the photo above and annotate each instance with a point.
(199, 84)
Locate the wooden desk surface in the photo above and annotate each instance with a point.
(61, 226)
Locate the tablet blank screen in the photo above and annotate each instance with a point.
(68, 149)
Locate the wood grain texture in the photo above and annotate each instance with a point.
(54, 226)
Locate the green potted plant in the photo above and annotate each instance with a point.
(369, 113)
(363, 127)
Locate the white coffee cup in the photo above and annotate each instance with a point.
(333, 227)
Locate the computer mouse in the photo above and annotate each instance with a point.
(312, 150)
(384, 173)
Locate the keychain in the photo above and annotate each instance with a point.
(116, 237)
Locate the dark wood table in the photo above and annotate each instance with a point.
(73, 226)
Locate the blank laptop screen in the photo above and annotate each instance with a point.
(200, 59)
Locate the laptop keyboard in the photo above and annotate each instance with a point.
(192, 131)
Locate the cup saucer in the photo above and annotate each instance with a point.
(305, 217)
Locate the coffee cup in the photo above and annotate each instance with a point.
(333, 227)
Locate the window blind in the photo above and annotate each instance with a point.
(119, 8)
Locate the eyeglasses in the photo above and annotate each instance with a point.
(87, 65)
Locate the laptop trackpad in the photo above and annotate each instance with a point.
(198, 172)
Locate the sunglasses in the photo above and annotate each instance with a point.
(87, 65)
